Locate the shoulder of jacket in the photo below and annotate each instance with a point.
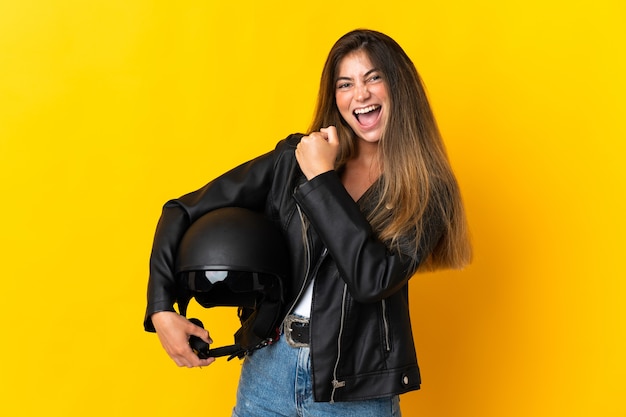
(290, 141)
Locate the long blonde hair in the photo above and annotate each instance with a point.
(417, 176)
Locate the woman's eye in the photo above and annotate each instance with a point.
(343, 85)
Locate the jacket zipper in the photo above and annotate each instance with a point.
(386, 325)
(336, 383)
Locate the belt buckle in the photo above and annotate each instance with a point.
(289, 320)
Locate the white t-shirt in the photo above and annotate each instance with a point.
(303, 308)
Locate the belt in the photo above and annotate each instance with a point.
(296, 330)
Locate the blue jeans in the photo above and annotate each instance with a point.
(276, 381)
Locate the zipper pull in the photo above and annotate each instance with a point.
(338, 384)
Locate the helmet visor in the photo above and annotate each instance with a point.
(235, 281)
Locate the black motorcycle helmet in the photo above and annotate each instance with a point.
(235, 257)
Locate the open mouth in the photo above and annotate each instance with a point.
(367, 116)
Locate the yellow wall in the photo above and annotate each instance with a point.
(110, 107)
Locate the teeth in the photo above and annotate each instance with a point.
(366, 109)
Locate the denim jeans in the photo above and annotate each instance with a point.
(276, 381)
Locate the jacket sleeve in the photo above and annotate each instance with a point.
(247, 185)
(369, 268)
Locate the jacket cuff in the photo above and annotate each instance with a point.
(155, 308)
(316, 181)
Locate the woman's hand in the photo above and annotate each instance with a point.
(317, 152)
(174, 331)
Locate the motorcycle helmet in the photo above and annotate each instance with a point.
(234, 257)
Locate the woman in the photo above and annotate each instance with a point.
(365, 200)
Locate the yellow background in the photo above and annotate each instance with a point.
(110, 107)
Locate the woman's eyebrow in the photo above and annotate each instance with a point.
(365, 75)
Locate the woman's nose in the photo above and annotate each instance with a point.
(362, 93)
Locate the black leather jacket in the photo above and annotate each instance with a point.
(361, 339)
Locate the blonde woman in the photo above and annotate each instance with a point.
(364, 200)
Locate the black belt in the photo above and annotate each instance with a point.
(296, 330)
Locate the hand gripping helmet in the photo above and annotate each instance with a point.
(235, 257)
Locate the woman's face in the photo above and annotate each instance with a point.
(362, 97)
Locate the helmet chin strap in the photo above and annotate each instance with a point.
(201, 348)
